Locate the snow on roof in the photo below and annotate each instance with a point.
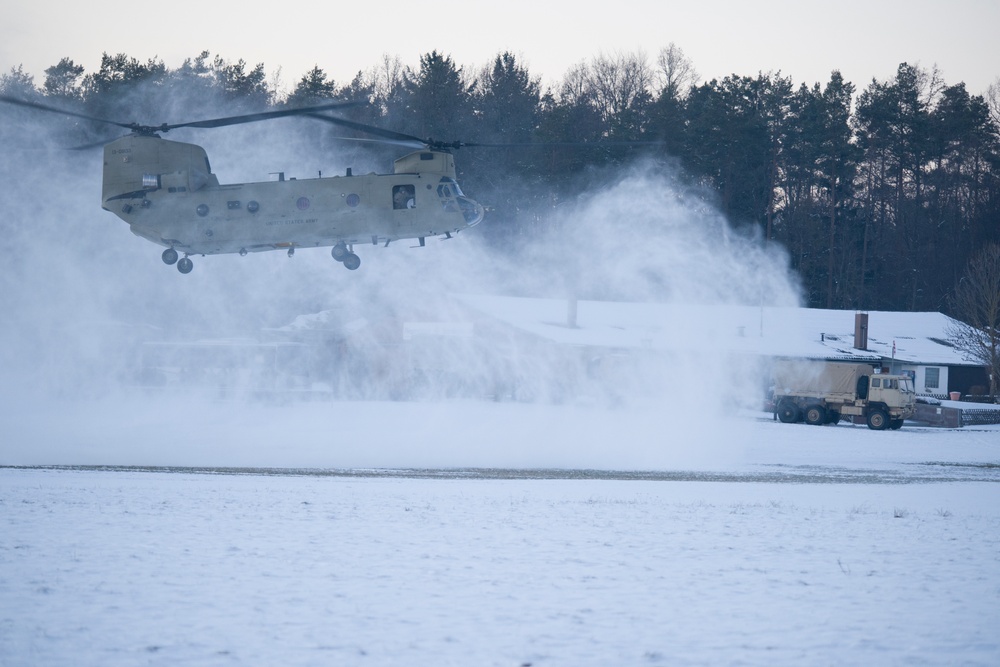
(920, 338)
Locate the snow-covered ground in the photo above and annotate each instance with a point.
(146, 528)
(525, 535)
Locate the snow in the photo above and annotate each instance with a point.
(812, 333)
(636, 517)
(752, 543)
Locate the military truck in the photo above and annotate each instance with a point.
(819, 392)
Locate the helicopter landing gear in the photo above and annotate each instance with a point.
(342, 254)
(340, 251)
(169, 257)
(352, 261)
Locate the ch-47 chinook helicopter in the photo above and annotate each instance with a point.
(165, 190)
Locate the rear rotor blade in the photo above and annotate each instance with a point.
(205, 124)
(264, 115)
(45, 107)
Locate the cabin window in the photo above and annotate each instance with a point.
(932, 378)
(403, 196)
(876, 383)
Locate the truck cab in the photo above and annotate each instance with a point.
(822, 392)
(893, 394)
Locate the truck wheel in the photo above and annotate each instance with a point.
(878, 420)
(896, 424)
(832, 417)
(816, 415)
(788, 412)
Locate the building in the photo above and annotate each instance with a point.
(914, 343)
(552, 350)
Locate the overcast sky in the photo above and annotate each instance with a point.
(805, 40)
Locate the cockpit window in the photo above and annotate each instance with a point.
(453, 200)
(449, 188)
(403, 196)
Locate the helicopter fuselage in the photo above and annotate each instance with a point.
(166, 192)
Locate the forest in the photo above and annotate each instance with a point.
(880, 195)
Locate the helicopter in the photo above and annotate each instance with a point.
(167, 193)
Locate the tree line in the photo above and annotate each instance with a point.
(881, 197)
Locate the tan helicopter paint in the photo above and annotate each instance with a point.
(166, 192)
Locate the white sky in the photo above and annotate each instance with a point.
(806, 40)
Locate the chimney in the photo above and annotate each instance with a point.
(861, 331)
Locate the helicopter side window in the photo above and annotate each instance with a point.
(403, 196)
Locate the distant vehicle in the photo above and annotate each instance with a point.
(819, 392)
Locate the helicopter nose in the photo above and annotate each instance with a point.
(472, 211)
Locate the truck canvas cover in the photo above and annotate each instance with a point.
(817, 378)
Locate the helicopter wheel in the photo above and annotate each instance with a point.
(352, 261)
(339, 252)
(169, 256)
(185, 265)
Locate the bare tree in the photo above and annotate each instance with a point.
(276, 84)
(977, 305)
(575, 88)
(675, 72)
(993, 100)
(931, 83)
(386, 80)
(620, 85)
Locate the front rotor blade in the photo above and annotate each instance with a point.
(418, 145)
(372, 130)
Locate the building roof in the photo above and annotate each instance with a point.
(919, 338)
